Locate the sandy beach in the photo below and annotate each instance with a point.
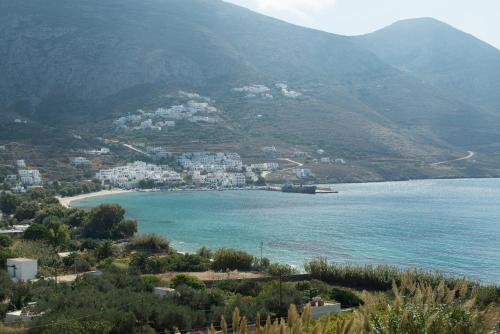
(66, 201)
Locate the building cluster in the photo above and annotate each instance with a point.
(25, 178)
(79, 161)
(197, 109)
(254, 91)
(262, 91)
(158, 153)
(286, 92)
(216, 170)
(101, 151)
(266, 166)
(130, 175)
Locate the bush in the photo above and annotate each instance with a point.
(204, 252)
(25, 211)
(369, 277)
(232, 259)
(125, 229)
(8, 203)
(187, 280)
(35, 232)
(276, 269)
(5, 240)
(152, 243)
(346, 297)
(243, 287)
(186, 262)
(5, 253)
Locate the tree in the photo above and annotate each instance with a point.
(125, 229)
(35, 232)
(5, 253)
(26, 210)
(104, 250)
(75, 217)
(5, 285)
(50, 211)
(8, 203)
(103, 221)
(57, 232)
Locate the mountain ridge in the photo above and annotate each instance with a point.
(71, 64)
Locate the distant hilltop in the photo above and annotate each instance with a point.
(211, 75)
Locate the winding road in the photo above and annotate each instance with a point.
(470, 155)
(297, 164)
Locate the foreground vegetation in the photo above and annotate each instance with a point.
(118, 269)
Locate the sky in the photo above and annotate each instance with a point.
(480, 18)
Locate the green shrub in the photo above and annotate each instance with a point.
(187, 280)
(346, 297)
(35, 232)
(369, 277)
(204, 252)
(243, 287)
(25, 211)
(232, 259)
(151, 243)
(5, 240)
(277, 269)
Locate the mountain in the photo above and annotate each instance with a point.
(75, 67)
(456, 63)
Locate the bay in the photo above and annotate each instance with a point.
(447, 225)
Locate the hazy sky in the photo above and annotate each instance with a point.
(480, 18)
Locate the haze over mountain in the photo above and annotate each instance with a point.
(418, 90)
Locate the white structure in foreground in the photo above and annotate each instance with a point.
(164, 292)
(25, 315)
(21, 269)
(326, 308)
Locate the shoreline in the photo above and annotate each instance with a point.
(66, 201)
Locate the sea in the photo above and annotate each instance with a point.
(451, 226)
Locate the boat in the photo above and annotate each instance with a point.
(290, 188)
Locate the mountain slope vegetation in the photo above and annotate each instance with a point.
(80, 65)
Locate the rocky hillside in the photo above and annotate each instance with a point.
(67, 64)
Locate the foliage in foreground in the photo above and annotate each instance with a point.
(413, 308)
(381, 278)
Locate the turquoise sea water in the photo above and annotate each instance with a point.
(447, 225)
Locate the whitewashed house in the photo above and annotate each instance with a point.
(22, 269)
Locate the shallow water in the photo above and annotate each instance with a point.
(447, 225)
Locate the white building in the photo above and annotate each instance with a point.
(130, 175)
(80, 161)
(267, 166)
(30, 176)
(21, 164)
(27, 314)
(21, 269)
(164, 292)
(303, 173)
